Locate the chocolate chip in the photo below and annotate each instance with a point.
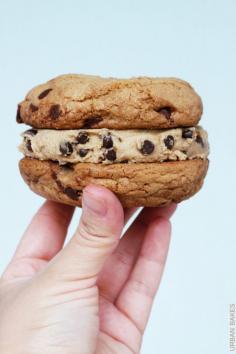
(165, 111)
(72, 193)
(33, 108)
(53, 175)
(107, 141)
(124, 161)
(187, 134)
(55, 111)
(18, 116)
(59, 184)
(83, 152)
(199, 140)
(91, 121)
(66, 148)
(44, 93)
(28, 144)
(31, 132)
(147, 147)
(82, 138)
(67, 167)
(111, 155)
(102, 158)
(169, 142)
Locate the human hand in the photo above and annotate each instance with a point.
(95, 294)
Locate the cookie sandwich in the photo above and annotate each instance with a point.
(138, 137)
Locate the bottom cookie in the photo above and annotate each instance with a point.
(137, 184)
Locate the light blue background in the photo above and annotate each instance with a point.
(194, 40)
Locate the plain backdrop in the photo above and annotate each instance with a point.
(193, 40)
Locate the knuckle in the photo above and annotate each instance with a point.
(93, 235)
(94, 230)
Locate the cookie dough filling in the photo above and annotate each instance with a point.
(115, 146)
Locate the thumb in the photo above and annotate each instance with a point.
(97, 235)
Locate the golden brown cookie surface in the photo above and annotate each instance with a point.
(140, 184)
(82, 101)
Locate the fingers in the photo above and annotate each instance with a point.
(98, 233)
(42, 240)
(150, 214)
(124, 257)
(136, 298)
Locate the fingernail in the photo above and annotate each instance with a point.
(91, 203)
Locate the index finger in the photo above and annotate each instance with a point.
(42, 240)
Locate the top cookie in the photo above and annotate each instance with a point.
(82, 101)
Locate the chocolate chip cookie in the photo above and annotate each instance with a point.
(82, 101)
(138, 137)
